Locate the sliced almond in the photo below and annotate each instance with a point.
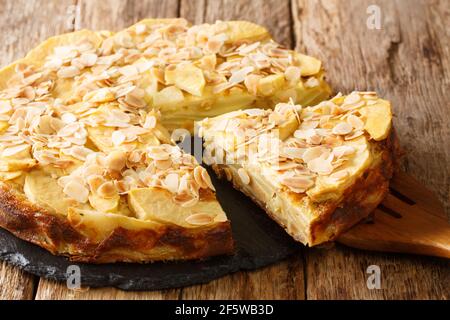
(352, 98)
(355, 122)
(118, 138)
(199, 219)
(150, 122)
(321, 166)
(8, 152)
(339, 175)
(88, 59)
(107, 190)
(116, 160)
(68, 72)
(342, 128)
(76, 191)
(171, 182)
(297, 182)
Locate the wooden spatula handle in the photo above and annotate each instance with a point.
(406, 221)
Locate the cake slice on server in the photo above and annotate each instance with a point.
(315, 170)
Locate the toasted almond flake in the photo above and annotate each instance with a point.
(107, 190)
(5, 106)
(251, 83)
(314, 152)
(129, 70)
(80, 152)
(246, 48)
(352, 98)
(94, 182)
(140, 29)
(342, 128)
(134, 100)
(88, 59)
(339, 175)
(300, 183)
(305, 125)
(54, 63)
(321, 166)
(68, 117)
(68, 72)
(343, 151)
(199, 219)
(292, 74)
(354, 135)
(8, 152)
(254, 112)
(163, 164)
(116, 160)
(158, 153)
(199, 178)
(150, 122)
(293, 152)
(171, 182)
(222, 87)
(243, 175)
(118, 138)
(76, 191)
(312, 82)
(355, 122)
(240, 75)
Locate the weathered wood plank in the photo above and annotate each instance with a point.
(118, 14)
(341, 273)
(406, 62)
(51, 290)
(15, 284)
(24, 24)
(280, 281)
(273, 14)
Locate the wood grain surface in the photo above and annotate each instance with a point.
(406, 61)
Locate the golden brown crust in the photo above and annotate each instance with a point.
(360, 199)
(56, 234)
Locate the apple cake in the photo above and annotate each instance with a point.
(315, 170)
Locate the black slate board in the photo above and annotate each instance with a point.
(259, 242)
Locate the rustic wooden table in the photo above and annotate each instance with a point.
(406, 61)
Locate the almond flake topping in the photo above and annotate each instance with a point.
(313, 142)
(199, 219)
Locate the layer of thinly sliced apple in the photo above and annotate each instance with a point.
(378, 119)
(102, 136)
(104, 204)
(14, 165)
(6, 176)
(157, 204)
(3, 126)
(186, 77)
(328, 188)
(37, 55)
(270, 84)
(98, 225)
(43, 189)
(244, 31)
(308, 65)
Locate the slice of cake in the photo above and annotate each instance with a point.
(315, 170)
